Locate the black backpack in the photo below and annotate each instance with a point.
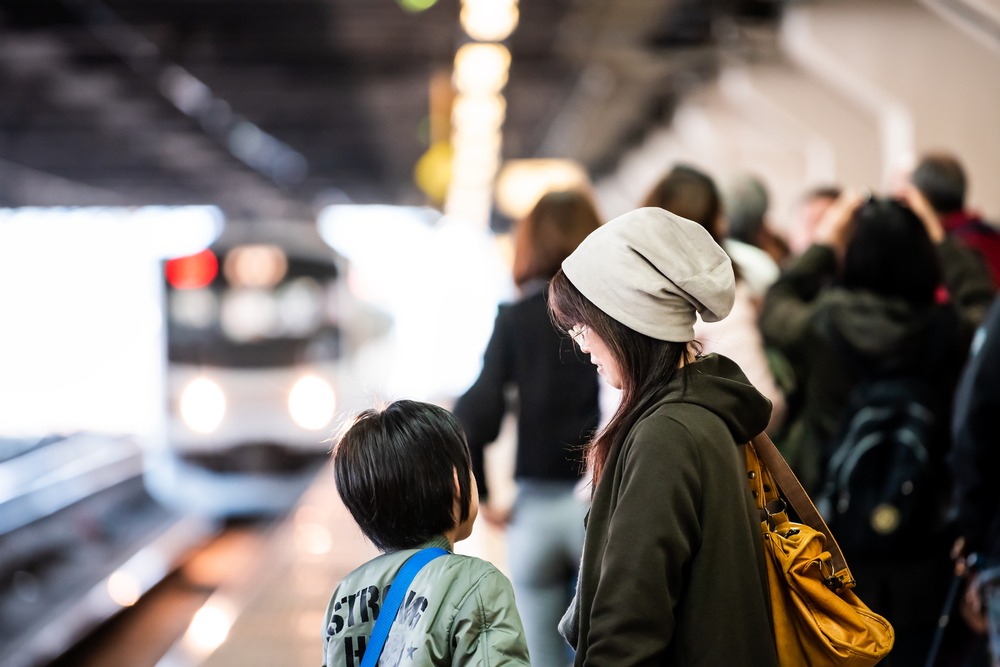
(885, 486)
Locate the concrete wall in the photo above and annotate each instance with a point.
(855, 93)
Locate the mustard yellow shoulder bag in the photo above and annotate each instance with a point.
(818, 619)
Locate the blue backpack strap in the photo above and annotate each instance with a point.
(397, 591)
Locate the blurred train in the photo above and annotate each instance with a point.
(254, 351)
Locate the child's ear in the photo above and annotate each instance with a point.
(458, 487)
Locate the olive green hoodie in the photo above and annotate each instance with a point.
(672, 570)
(834, 337)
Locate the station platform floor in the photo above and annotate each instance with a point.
(270, 610)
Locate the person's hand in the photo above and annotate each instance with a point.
(833, 226)
(496, 517)
(958, 556)
(972, 607)
(919, 205)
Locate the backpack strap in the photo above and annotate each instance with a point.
(397, 591)
(799, 499)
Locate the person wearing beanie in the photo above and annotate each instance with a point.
(673, 569)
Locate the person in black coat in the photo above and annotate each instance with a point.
(974, 459)
(555, 398)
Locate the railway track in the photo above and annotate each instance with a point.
(88, 560)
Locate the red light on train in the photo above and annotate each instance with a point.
(192, 272)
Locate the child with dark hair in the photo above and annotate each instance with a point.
(405, 475)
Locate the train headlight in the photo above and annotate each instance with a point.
(203, 405)
(312, 402)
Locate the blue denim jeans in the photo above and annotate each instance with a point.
(545, 541)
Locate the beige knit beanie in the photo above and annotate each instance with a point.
(652, 271)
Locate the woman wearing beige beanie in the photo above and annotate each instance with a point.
(672, 569)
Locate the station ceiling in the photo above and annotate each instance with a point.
(272, 108)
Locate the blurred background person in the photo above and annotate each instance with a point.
(747, 202)
(692, 194)
(865, 302)
(942, 181)
(555, 398)
(807, 213)
(696, 197)
(810, 209)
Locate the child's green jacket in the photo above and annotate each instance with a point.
(459, 611)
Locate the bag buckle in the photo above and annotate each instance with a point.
(776, 506)
(834, 582)
(773, 508)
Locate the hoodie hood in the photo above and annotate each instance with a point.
(876, 331)
(717, 384)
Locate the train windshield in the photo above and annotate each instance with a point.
(251, 307)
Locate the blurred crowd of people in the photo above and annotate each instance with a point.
(863, 287)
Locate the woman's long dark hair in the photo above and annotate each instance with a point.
(646, 364)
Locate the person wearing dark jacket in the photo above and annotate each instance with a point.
(557, 410)
(883, 293)
(672, 570)
(974, 459)
(941, 179)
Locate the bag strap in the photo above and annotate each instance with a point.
(797, 496)
(397, 591)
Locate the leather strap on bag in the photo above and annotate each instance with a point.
(797, 496)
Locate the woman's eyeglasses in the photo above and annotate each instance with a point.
(576, 333)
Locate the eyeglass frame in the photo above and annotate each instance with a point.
(577, 336)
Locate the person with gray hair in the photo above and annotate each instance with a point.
(672, 570)
(747, 202)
